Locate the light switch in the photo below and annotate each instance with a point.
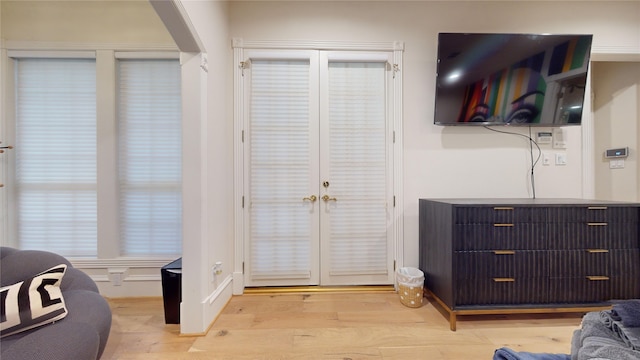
(561, 159)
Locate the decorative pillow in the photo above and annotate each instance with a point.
(32, 302)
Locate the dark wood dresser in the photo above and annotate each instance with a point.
(503, 256)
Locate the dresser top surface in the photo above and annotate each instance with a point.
(531, 202)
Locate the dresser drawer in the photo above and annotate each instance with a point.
(502, 291)
(594, 262)
(593, 235)
(594, 213)
(501, 264)
(517, 236)
(499, 215)
(580, 289)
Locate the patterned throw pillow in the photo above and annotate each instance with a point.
(32, 302)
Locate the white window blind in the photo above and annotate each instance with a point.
(56, 155)
(358, 167)
(280, 170)
(150, 150)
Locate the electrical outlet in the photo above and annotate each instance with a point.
(561, 159)
(117, 275)
(546, 159)
(217, 269)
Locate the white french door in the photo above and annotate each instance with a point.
(318, 179)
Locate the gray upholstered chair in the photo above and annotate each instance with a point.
(80, 335)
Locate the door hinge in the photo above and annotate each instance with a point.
(242, 136)
(243, 201)
(244, 65)
(394, 265)
(394, 201)
(394, 137)
(243, 267)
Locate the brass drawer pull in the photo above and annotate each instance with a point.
(504, 280)
(593, 251)
(502, 225)
(502, 208)
(597, 278)
(504, 252)
(597, 208)
(598, 224)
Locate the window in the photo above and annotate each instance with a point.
(65, 144)
(149, 134)
(55, 155)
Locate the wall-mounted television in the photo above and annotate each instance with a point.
(511, 79)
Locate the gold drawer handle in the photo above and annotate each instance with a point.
(504, 280)
(597, 208)
(593, 251)
(597, 278)
(503, 225)
(598, 224)
(504, 252)
(502, 208)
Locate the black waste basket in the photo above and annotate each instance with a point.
(172, 291)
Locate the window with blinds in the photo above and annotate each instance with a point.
(280, 232)
(150, 150)
(56, 155)
(357, 167)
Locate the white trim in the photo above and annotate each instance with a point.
(318, 45)
(47, 45)
(128, 278)
(173, 55)
(238, 184)
(51, 54)
(284, 54)
(218, 291)
(398, 163)
(369, 57)
(123, 262)
(615, 53)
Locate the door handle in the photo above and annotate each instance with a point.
(311, 198)
(327, 198)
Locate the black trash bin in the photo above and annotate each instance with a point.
(172, 291)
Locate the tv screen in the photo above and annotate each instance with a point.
(511, 79)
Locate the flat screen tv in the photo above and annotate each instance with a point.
(511, 79)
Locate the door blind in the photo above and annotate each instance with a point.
(150, 151)
(280, 234)
(56, 155)
(357, 168)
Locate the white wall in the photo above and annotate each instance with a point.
(204, 295)
(83, 22)
(617, 124)
(450, 162)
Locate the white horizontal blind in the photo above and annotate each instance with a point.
(150, 150)
(56, 155)
(357, 168)
(280, 235)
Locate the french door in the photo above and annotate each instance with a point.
(318, 158)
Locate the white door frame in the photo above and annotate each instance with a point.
(239, 45)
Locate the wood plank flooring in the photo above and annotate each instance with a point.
(334, 326)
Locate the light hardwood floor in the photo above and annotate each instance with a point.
(340, 326)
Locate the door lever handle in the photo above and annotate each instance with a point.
(311, 198)
(327, 198)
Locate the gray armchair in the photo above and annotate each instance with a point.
(80, 335)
